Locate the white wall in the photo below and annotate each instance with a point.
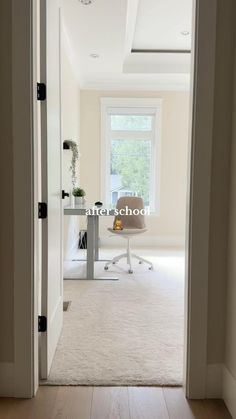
(6, 174)
(169, 227)
(222, 134)
(70, 99)
(229, 369)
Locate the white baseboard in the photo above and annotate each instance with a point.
(6, 379)
(214, 381)
(145, 241)
(229, 391)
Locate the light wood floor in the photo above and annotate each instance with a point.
(111, 403)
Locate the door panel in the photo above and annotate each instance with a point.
(52, 282)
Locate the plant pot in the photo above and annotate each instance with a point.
(79, 200)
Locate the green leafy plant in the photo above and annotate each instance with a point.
(73, 146)
(78, 192)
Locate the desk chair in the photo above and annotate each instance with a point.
(133, 225)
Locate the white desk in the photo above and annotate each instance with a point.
(92, 233)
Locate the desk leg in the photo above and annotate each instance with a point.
(96, 233)
(90, 247)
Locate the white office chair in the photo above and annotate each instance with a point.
(132, 226)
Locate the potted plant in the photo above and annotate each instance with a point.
(79, 195)
(73, 146)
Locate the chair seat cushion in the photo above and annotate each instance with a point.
(128, 231)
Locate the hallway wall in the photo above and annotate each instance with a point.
(7, 199)
(229, 369)
(222, 134)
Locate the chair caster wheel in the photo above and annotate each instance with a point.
(106, 268)
(130, 271)
(113, 263)
(150, 268)
(140, 262)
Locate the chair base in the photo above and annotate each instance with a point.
(128, 255)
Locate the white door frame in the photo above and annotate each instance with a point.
(50, 125)
(198, 198)
(25, 374)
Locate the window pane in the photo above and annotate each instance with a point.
(130, 171)
(131, 122)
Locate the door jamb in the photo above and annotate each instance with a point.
(25, 302)
(198, 197)
(25, 280)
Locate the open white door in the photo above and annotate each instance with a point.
(52, 279)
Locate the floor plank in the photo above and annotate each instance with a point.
(40, 407)
(5, 408)
(110, 403)
(73, 403)
(179, 407)
(147, 403)
(50, 403)
(216, 408)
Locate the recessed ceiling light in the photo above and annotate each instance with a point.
(94, 55)
(185, 33)
(86, 2)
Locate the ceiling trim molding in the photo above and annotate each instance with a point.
(131, 17)
(155, 87)
(162, 51)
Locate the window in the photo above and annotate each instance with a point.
(130, 141)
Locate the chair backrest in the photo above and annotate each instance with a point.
(133, 203)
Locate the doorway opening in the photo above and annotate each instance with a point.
(120, 106)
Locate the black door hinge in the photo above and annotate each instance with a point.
(42, 323)
(64, 194)
(41, 91)
(42, 210)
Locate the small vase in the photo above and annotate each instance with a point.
(79, 200)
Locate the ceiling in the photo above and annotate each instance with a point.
(159, 25)
(127, 35)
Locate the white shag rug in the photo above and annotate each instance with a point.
(126, 332)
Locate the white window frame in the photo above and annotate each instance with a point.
(139, 106)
